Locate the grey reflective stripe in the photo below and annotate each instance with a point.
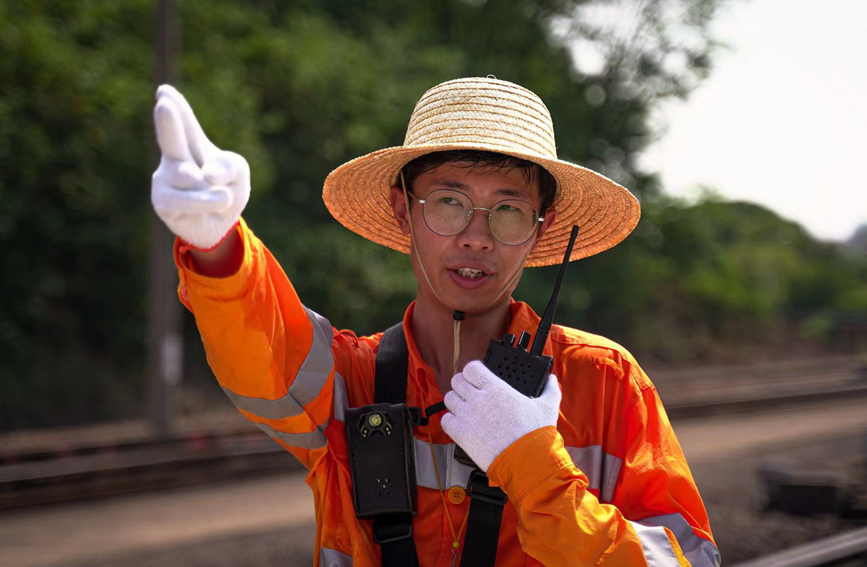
(589, 461)
(699, 551)
(333, 558)
(452, 473)
(311, 440)
(308, 382)
(611, 470)
(601, 469)
(341, 401)
(657, 548)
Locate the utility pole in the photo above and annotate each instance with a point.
(165, 346)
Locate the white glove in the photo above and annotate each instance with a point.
(486, 414)
(198, 190)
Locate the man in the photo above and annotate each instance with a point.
(475, 194)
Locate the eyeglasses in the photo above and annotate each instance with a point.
(447, 213)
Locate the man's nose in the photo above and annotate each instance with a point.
(477, 235)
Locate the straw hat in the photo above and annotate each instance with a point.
(491, 115)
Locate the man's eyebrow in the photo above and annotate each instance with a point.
(512, 193)
(464, 187)
(453, 184)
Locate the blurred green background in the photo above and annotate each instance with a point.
(300, 87)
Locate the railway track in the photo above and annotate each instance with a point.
(34, 477)
(30, 479)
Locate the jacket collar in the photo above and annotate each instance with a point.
(426, 391)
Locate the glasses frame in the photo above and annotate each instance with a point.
(539, 219)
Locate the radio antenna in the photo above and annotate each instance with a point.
(548, 317)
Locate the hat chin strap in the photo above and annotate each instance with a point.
(458, 315)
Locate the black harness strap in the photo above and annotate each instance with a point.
(483, 523)
(393, 532)
(392, 361)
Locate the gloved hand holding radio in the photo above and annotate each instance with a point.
(198, 190)
(486, 414)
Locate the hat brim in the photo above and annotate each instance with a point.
(357, 195)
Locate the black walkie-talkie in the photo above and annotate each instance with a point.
(526, 371)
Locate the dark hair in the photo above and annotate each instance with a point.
(478, 158)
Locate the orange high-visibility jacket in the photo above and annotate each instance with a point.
(609, 485)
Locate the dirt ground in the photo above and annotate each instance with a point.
(727, 489)
(285, 546)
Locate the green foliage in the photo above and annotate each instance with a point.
(298, 88)
(72, 188)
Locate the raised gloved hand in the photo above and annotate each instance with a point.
(486, 415)
(198, 190)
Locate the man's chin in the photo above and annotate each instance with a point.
(475, 302)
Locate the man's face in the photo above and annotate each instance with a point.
(453, 263)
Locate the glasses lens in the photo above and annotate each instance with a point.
(447, 212)
(513, 222)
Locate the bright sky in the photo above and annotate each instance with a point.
(782, 119)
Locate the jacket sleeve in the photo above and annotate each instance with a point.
(656, 516)
(271, 355)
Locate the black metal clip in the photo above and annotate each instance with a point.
(419, 417)
(386, 530)
(478, 488)
(416, 416)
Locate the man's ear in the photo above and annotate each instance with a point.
(399, 208)
(550, 217)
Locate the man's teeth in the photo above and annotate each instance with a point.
(470, 273)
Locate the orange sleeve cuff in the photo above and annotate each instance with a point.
(231, 286)
(529, 461)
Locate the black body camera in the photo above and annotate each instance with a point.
(382, 459)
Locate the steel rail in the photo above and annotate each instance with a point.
(762, 401)
(848, 548)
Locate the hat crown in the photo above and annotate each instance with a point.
(499, 115)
